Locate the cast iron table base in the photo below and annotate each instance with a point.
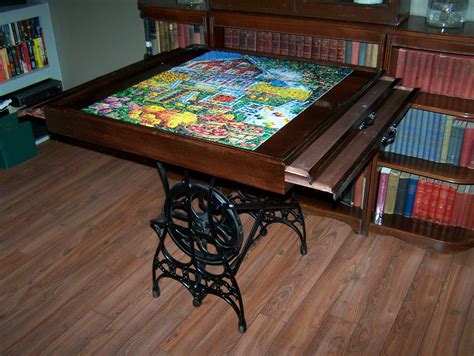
(205, 225)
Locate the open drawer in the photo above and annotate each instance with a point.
(323, 147)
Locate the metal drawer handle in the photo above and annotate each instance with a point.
(368, 121)
(389, 136)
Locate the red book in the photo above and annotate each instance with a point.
(355, 52)
(307, 47)
(425, 206)
(325, 49)
(252, 41)
(419, 198)
(467, 145)
(400, 63)
(381, 194)
(284, 44)
(235, 38)
(267, 42)
(409, 69)
(292, 45)
(428, 70)
(332, 53)
(299, 46)
(464, 215)
(433, 203)
(448, 212)
(316, 50)
(448, 76)
(260, 41)
(182, 37)
(358, 191)
(276, 43)
(457, 205)
(441, 206)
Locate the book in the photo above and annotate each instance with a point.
(355, 52)
(401, 193)
(433, 203)
(381, 194)
(446, 137)
(307, 47)
(299, 46)
(440, 137)
(332, 52)
(341, 51)
(448, 212)
(276, 43)
(412, 185)
(324, 53)
(425, 203)
(464, 217)
(434, 117)
(457, 205)
(459, 140)
(316, 49)
(390, 199)
(419, 198)
(467, 145)
(362, 53)
(375, 55)
(348, 54)
(441, 205)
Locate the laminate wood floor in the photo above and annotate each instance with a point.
(75, 277)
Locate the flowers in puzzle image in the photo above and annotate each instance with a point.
(229, 98)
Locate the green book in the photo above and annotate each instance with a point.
(446, 138)
(393, 180)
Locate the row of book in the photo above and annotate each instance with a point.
(425, 199)
(163, 36)
(435, 137)
(439, 73)
(309, 47)
(24, 58)
(353, 196)
(15, 33)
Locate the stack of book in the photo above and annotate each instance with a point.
(165, 36)
(435, 137)
(22, 48)
(353, 196)
(439, 73)
(425, 199)
(293, 45)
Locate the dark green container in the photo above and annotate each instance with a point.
(17, 143)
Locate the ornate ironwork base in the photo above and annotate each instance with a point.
(206, 226)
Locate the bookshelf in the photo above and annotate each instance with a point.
(259, 27)
(169, 25)
(439, 64)
(31, 76)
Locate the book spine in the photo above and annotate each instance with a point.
(267, 42)
(316, 49)
(347, 58)
(362, 53)
(448, 211)
(355, 52)
(358, 191)
(260, 42)
(419, 198)
(284, 44)
(440, 137)
(299, 46)
(467, 145)
(182, 36)
(425, 205)
(433, 204)
(276, 43)
(442, 202)
(325, 49)
(381, 194)
(341, 51)
(459, 141)
(368, 55)
(292, 45)
(434, 135)
(410, 197)
(375, 56)
(307, 47)
(393, 180)
(446, 137)
(332, 52)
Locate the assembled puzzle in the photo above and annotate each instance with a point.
(230, 98)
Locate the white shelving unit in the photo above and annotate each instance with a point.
(52, 70)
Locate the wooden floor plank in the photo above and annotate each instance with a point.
(449, 318)
(405, 337)
(75, 277)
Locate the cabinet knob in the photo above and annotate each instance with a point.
(389, 136)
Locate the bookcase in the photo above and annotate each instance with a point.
(298, 29)
(169, 25)
(441, 66)
(28, 50)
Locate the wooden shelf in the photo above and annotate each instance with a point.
(444, 239)
(463, 108)
(321, 204)
(445, 172)
(159, 10)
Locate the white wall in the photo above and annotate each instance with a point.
(94, 37)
